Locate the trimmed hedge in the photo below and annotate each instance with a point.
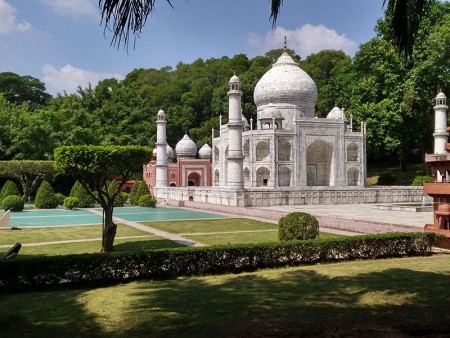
(103, 269)
(71, 202)
(147, 201)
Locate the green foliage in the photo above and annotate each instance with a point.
(133, 191)
(387, 179)
(23, 90)
(121, 197)
(60, 197)
(45, 197)
(298, 226)
(8, 189)
(94, 269)
(419, 180)
(28, 173)
(148, 201)
(13, 203)
(85, 199)
(141, 191)
(71, 202)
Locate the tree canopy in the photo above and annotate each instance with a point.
(94, 166)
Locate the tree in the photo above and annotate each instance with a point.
(128, 17)
(93, 165)
(9, 189)
(23, 89)
(30, 174)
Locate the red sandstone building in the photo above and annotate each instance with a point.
(189, 169)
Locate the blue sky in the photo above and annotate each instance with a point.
(62, 43)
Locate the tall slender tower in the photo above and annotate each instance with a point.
(235, 175)
(161, 151)
(440, 124)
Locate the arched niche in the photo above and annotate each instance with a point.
(320, 164)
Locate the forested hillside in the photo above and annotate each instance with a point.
(394, 99)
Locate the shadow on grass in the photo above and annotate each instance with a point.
(394, 302)
(356, 299)
(138, 246)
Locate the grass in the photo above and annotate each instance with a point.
(403, 178)
(209, 232)
(92, 234)
(226, 231)
(390, 297)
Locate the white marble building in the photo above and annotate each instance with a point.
(290, 146)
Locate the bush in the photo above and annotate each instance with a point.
(387, 179)
(298, 226)
(13, 203)
(418, 180)
(9, 189)
(133, 191)
(71, 202)
(148, 201)
(45, 197)
(96, 270)
(86, 200)
(120, 199)
(141, 191)
(60, 197)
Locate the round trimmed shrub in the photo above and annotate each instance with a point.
(13, 203)
(418, 180)
(71, 202)
(298, 226)
(147, 201)
(8, 189)
(45, 197)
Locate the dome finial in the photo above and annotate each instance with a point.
(285, 43)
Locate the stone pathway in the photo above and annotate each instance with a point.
(173, 237)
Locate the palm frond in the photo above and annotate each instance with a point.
(125, 18)
(406, 16)
(275, 10)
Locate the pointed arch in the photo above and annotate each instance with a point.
(352, 152)
(262, 151)
(284, 177)
(262, 177)
(353, 177)
(320, 164)
(284, 150)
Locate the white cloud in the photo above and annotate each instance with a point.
(9, 22)
(304, 40)
(68, 78)
(72, 7)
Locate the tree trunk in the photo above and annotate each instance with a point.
(109, 229)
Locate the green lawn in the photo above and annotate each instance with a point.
(209, 232)
(374, 170)
(225, 231)
(375, 298)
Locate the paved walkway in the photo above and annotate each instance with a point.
(173, 237)
(343, 218)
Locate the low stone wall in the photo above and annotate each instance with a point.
(261, 197)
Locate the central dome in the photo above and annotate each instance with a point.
(286, 83)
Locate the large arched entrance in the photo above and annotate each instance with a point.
(194, 179)
(320, 164)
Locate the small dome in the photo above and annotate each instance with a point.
(205, 151)
(441, 95)
(270, 112)
(336, 114)
(186, 148)
(169, 152)
(161, 113)
(234, 79)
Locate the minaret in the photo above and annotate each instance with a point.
(235, 175)
(161, 151)
(440, 124)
